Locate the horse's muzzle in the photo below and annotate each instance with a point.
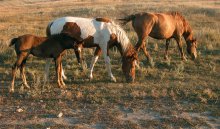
(194, 56)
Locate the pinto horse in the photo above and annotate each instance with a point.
(101, 33)
(162, 26)
(44, 47)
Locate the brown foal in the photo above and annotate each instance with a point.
(44, 47)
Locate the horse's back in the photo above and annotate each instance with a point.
(156, 25)
(88, 27)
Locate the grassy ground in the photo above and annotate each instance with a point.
(170, 94)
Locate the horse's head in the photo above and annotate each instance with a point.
(128, 66)
(191, 48)
(78, 47)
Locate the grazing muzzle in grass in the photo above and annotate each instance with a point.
(128, 67)
(191, 48)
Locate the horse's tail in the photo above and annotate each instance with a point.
(13, 41)
(127, 19)
(48, 33)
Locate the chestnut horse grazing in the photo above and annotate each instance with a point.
(101, 33)
(163, 26)
(44, 47)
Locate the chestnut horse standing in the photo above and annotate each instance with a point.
(101, 33)
(163, 26)
(52, 47)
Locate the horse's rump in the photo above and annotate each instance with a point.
(13, 41)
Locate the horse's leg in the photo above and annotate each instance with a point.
(141, 44)
(62, 73)
(57, 67)
(14, 70)
(138, 45)
(23, 75)
(107, 63)
(94, 60)
(166, 51)
(78, 52)
(144, 48)
(47, 69)
(61, 79)
(180, 46)
(83, 62)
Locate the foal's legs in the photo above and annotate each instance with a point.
(58, 71)
(14, 69)
(47, 69)
(166, 51)
(78, 52)
(23, 75)
(180, 46)
(17, 64)
(94, 60)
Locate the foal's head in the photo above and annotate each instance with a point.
(191, 48)
(128, 65)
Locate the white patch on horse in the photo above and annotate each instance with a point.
(100, 31)
(88, 27)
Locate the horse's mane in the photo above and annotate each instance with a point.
(188, 30)
(179, 15)
(121, 35)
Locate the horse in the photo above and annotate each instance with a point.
(162, 26)
(103, 34)
(44, 47)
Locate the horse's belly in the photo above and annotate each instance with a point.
(160, 35)
(161, 32)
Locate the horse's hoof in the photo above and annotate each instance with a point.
(64, 77)
(90, 78)
(63, 87)
(11, 90)
(27, 86)
(184, 59)
(63, 84)
(113, 79)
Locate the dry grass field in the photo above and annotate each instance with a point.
(168, 94)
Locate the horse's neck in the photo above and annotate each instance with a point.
(123, 51)
(127, 51)
(187, 34)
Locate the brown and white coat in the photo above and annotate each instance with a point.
(101, 33)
